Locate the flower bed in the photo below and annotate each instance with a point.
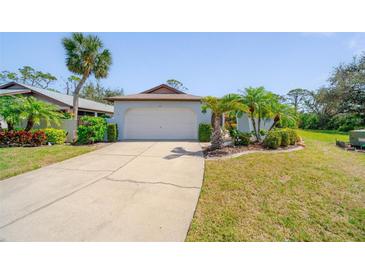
(22, 138)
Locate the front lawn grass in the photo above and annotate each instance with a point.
(16, 160)
(315, 194)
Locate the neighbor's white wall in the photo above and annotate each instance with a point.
(244, 123)
(121, 107)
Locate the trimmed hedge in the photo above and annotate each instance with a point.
(281, 137)
(91, 130)
(22, 138)
(112, 132)
(205, 132)
(273, 139)
(284, 137)
(55, 136)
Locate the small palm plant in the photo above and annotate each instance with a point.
(10, 110)
(34, 111)
(219, 106)
(86, 56)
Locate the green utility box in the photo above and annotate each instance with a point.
(357, 138)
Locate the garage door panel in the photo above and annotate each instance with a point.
(160, 123)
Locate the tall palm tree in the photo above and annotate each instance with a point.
(258, 102)
(219, 106)
(10, 110)
(86, 56)
(34, 111)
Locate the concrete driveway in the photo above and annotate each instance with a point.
(127, 191)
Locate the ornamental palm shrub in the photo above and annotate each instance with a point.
(220, 106)
(112, 132)
(10, 110)
(55, 136)
(34, 111)
(205, 132)
(273, 139)
(91, 130)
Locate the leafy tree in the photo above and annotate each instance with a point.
(176, 84)
(99, 93)
(71, 84)
(30, 76)
(10, 110)
(219, 106)
(324, 103)
(348, 83)
(86, 56)
(34, 111)
(296, 97)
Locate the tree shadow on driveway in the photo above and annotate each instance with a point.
(180, 151)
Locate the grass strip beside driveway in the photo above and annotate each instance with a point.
(316, 194)
(17, 160)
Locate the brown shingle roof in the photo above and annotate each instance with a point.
(160, 93)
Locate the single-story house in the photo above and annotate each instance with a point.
(63, 101)
(162, 112)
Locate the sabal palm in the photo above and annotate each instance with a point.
(34, 111)
(219, 106)
(86, 56)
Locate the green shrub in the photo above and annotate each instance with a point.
(293, 136)
(112, 132)
(205, 132)
(345, 122)
(240, 138)
(273, 139)
(91, 130)
(55, 136)
(284, 137)
(309, 121)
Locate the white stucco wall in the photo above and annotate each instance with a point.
(244, 123)
(121, 107)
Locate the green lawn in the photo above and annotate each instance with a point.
(316, 194)
(16, 160)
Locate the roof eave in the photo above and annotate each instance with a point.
(154, 99)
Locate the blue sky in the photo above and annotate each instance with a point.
(207, 63)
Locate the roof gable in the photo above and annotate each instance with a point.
(162, 89)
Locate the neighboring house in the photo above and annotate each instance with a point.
(62, 101)
(161, 112)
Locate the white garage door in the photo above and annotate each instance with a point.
(160, 123)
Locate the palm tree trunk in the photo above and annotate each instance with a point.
(76, 96)
(217, 138)
(30, 124)
(259, 127)
(276, 121)
(10, 126)
(254, 127)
